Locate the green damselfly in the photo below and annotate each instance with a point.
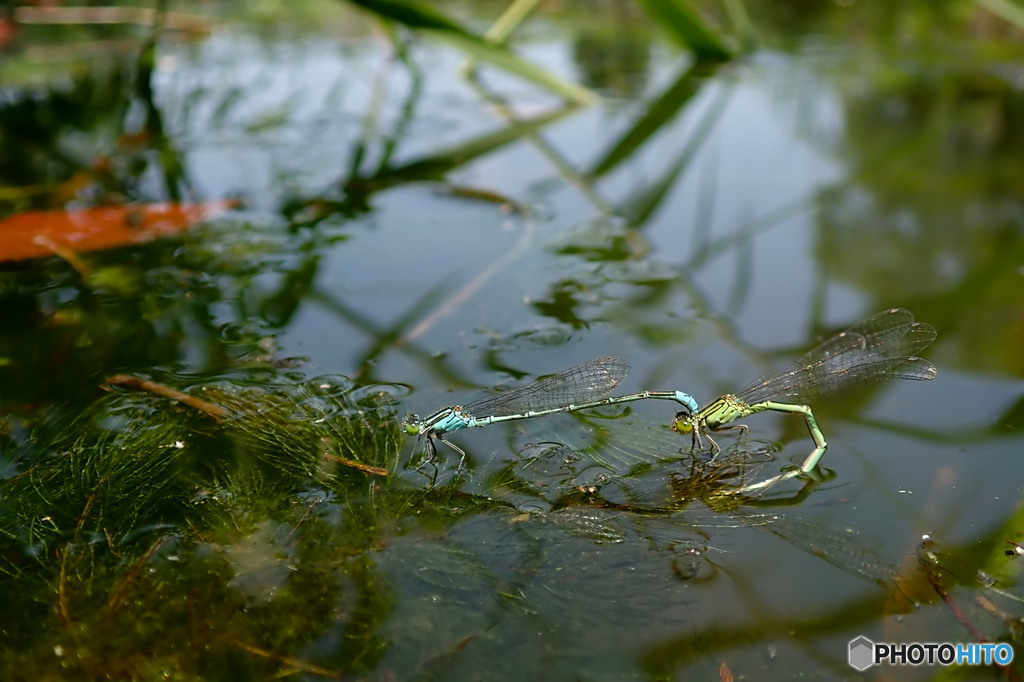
(878, 349)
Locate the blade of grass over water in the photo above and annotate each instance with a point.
(423, 17)
(742, 24)
(686, 27)
(512, 17)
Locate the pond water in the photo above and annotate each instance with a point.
(406, 238)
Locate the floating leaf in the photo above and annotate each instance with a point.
(38, 234)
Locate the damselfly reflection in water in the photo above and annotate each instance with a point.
(876, 350)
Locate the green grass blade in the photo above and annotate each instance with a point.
(509, 20)
(742, 25)
(412, 14)
(508, 61)
(422, 17)
(688, 29)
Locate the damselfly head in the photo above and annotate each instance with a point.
(682, 423)
(412, 424)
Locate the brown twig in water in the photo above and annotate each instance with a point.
(62, 583)
(62, 588)
(928, 561)
(987, 605)
(377, 471)
(118, 596)
(85, 511)
(293, 662)
(306, 515)
(139, 384)
(1010, 621)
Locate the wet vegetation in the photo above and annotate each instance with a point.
(203, 471)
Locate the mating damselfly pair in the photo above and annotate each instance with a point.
(880, 348)
(573, 389)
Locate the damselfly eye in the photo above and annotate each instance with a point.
(682, 426)
(411, 424)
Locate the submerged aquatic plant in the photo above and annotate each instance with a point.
(143, 511)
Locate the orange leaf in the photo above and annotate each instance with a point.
(38, 234)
